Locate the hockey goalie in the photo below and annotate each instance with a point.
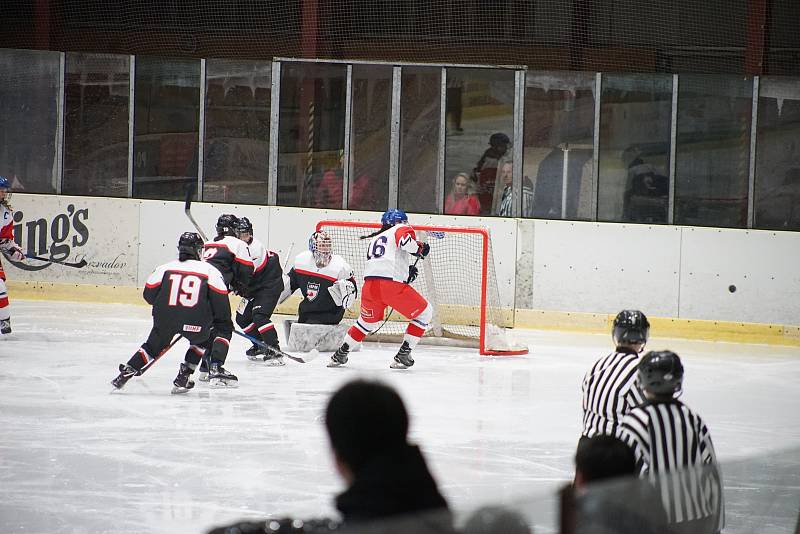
(329, 288)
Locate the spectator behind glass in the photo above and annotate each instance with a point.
(461, 200)
(485, 172)
(506, 198)
(609, 498)
(387, 478)
(646, 190)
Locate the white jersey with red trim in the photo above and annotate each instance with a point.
(6, 222)
(388, 255)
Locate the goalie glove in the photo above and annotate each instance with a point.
(11, 250)
(343, 293)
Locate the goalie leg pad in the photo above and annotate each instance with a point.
(322, 337)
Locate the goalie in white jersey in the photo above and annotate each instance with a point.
(328, 286)
(387, 278)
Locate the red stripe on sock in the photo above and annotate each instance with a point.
(4, 302)
(266, 327)
(414, 330)
(356, 333)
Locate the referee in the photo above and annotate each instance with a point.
(609, 388)
(673, 448)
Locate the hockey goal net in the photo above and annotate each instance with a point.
(458, 278)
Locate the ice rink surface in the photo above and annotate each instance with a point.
(75, 458)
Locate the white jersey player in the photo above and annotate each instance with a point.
(329, 288)
(387, 279)
(9, 249)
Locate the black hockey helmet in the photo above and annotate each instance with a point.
(226, 224)
(630, 327)
(190, 245)
(243, 225)
(660, 372)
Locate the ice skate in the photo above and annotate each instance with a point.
(219, 377)
(403, 359)
(182, 384)
(5, 326)
(273, 358)
(339, 357)
(254, 353)
(126, 372)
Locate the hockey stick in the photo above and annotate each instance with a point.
(160, 354)
(271, 350)
(187, 209)
(77, 264)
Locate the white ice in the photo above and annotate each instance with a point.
(76, 458)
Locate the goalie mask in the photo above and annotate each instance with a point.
(320, 246)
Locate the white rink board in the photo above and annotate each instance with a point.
(603, 268)
(667, 271)
(764, 266)
(102, 231)
(162, 222)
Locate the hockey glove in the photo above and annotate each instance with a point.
(413, 272)
(424, 249)
(11, 250)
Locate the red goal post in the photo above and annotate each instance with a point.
(458, 278)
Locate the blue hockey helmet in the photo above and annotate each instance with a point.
(394, 216)
(5, 185)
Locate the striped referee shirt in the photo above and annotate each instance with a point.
(609, 392)
(667, 437)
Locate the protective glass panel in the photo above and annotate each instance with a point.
(311, 142)
(635, 118)
(29, 87)
(777, 193)
(96, 110)
(371, 134)
(480, 135)
(712, 157)
(167, 116)
(420, 107)
(236, 145)
(559, 144)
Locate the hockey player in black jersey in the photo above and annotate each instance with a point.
(260, 296)
(328, 286)
(230, 256)
(190, 299)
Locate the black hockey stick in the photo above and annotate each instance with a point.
(271, 350)
(160, 354)
(77, 264)
(187, 209)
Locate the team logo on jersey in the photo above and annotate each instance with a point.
(312, 290)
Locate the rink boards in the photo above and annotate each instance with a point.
(703, 283)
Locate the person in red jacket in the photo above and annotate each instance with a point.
(461, 200)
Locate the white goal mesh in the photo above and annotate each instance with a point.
(458, 278)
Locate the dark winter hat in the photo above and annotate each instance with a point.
(364, 419)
